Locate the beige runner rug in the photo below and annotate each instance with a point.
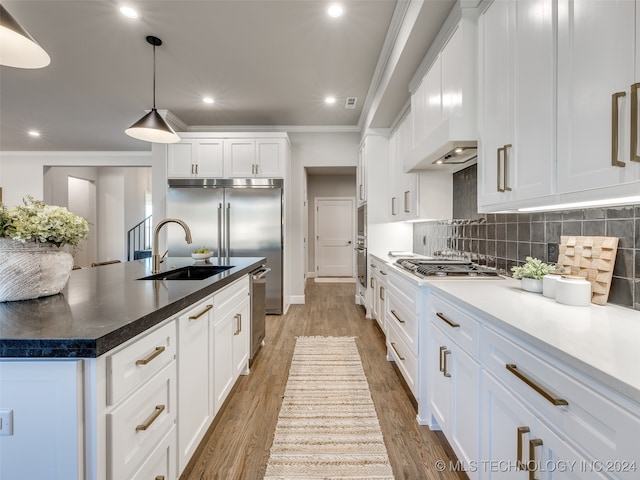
(327, 427)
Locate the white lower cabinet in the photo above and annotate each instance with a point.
(231, 337)
(402, 307)
(195, 378)
(512, 411)
(161, 463)
(454, 386)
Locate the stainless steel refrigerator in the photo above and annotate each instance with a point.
(237, 217)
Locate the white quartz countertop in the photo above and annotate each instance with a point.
(601, 341)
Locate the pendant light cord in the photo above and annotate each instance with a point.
(154, 77)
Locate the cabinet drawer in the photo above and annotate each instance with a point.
(161, 463)
(136, 427)
(461, 328)
(133, 365)
(599, 426)
(406, 292)
(403, 319)
(226, 299)
(405, 360)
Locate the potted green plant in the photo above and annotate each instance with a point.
(32, 261)
(531, 274)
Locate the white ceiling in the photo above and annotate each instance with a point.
(268, 64)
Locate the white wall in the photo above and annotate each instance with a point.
(22, 173)
(312, 150)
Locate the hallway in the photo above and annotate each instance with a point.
(239, 441)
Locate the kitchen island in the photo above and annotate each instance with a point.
(118, 377)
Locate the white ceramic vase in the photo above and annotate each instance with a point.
(32, 269)
(532, 285)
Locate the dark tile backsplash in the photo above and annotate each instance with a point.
(504, 240)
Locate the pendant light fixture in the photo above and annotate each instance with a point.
(152, 127)
(18, 48)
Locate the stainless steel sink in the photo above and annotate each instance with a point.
(192, 272)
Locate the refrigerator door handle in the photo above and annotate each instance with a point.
(227, 231)
(219, 230)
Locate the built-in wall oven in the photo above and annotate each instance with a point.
(361, 245)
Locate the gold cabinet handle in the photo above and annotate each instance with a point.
(538, 388)
(361, 192)
(519, 462)
(201, 313)
(393, 345)
(197, 169)
(406, 202)
(160, 477)
(533, 465)
(238, 317)
(154, 416)
(156, 352)
(451, 323)
(372, 266)
(395, 314)
(498, 179)
(394, 206)
(193, 169)
(442, 349)
(381, 292)
(507, 188)
(634, 157)
(382, 272)
(614, 129)
(445, 372)
(371, 282)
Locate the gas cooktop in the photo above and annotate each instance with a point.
(442, 267)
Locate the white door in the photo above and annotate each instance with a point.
(334, 237)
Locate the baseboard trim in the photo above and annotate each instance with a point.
(296, 299)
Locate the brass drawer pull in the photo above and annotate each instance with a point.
(498, 179)
(381, 292)
(155, 353)
(393, 345)
(507, 188)
(198, 315)
(533, 465)
(519, 462)
(614, 129)
(634, 123)
(395, 314)
(383, 272)
(238, 318)
(554, 400)
(445, 372)
(371, 282)
(394, 208)
(160, 477)
(406, 202)
(442, 349)
(448, 321)
(154, 416)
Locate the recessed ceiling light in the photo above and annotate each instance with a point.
(330, 100)
(129, 12)
(208, 100)
(34, 133)
(335, 10)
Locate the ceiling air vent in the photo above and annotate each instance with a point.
(350, 103)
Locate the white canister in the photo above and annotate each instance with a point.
(549, 285)
(573, 290)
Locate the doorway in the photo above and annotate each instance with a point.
(334, 240)
(81, 200)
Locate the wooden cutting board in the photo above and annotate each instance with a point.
(592, 258)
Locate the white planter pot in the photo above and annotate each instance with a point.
(532, 285)
(32, 269)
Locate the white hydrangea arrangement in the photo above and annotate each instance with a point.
(36, 221)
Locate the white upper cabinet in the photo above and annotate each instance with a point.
(443, 100)
(210, 155)
(196, 158)
(597, 62)
(517, 106)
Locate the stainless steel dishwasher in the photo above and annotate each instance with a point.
(258, 312)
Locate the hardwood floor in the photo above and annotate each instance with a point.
(237, 445)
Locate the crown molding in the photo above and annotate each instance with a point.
(275, 128)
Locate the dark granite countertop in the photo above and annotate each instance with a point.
(103, 307)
